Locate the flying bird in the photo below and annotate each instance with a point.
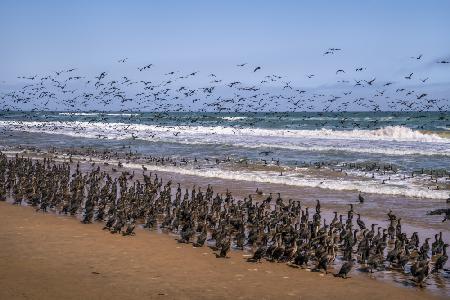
(370, 82)
(421, 96)
(145, 67)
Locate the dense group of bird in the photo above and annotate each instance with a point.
(149, 88)
(273, 228)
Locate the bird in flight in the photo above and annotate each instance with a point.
(241, 65)
(331, 51)
(256, 69)
(145, 67)
(101, 76)
(123, 60)
(418, 57)
(421, 96)
(409, 76)
(370, 82)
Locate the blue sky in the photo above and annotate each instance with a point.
(284, 37)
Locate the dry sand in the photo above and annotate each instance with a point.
(45, 256)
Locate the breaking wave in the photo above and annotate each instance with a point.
(389, 133)
(390, 140)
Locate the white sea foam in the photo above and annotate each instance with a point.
(386, 151)
(233, 118)
(389, 133)
(390, 140)
(370, 187)
(123, 114)
(77, 114)
(97, 114)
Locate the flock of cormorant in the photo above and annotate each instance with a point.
(277, 230)
(177, 91)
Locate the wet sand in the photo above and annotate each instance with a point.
(45, 256)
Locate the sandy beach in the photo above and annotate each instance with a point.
(45, 256)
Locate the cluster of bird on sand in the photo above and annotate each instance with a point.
(275, 229)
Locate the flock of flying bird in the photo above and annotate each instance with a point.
(277, 230)
(171, 91)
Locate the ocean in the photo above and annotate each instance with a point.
(377, 152)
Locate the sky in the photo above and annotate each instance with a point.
(283, 37)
